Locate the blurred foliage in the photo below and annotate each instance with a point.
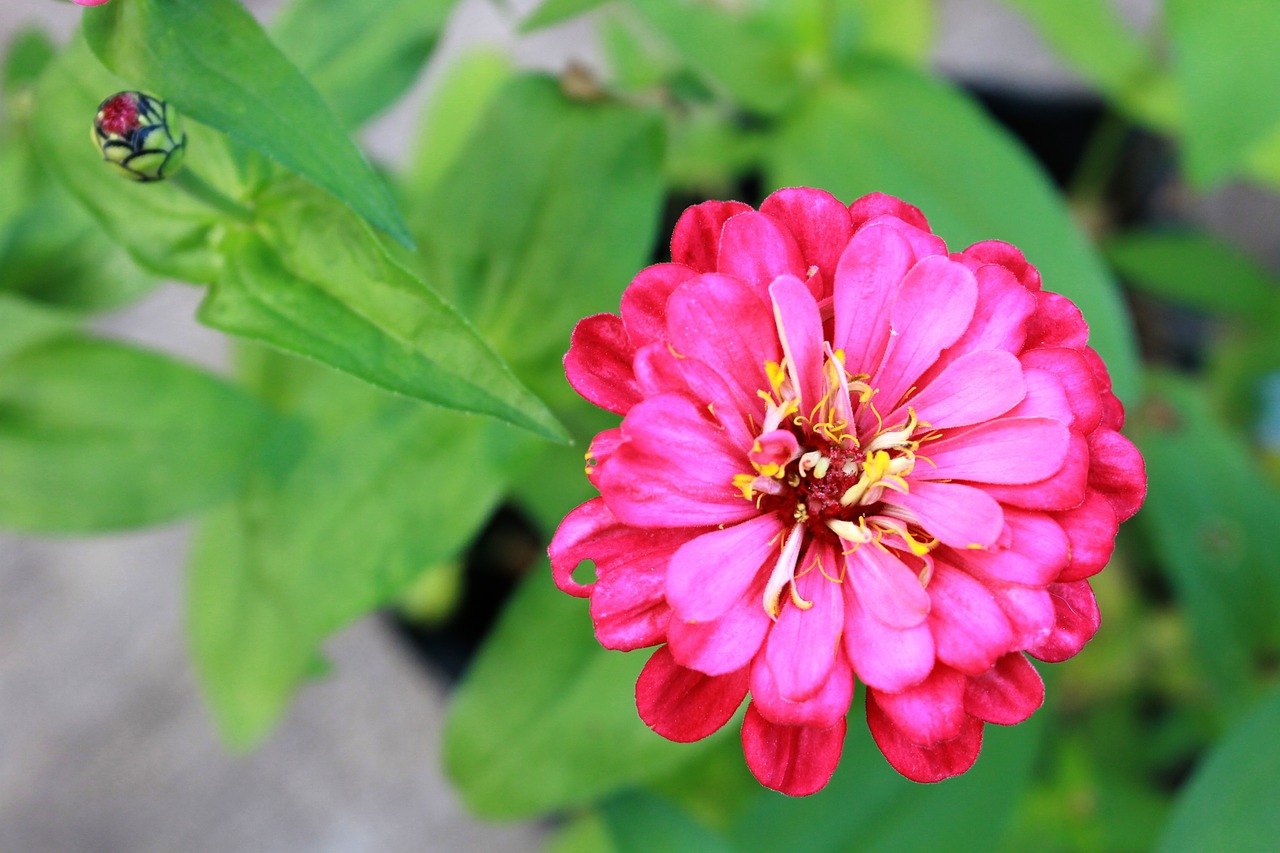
(349, 464)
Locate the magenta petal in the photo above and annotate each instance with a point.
(727, 643)
(826, 707)
(1057, 322)
(933, 308)
(873, 205)
(575, 541)
(1063, 490)
(867, 281)
(976, 387)
(804, 644)
(923, 243)
(1071, 367)
(629, 608)
(969, 628)
(929, 712)
(886, 586)
(598, 364)
(817, 220)
(673, 468)
(924, 763)
(958, 515)
(708, 574)
(884, 657)
(727, 327)
(1000, 317)
(683, 705)
(1006, 694)
(1117, 471)
(644, 302)
(756, 249)
(1008, 256)
(800, 330)
(1076, 621)
(1004, 451)
(1046, 398)
(1037, 552)
(795, 760)
(696, 240)
(1091, 529)
(1028, 609)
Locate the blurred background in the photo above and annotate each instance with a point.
(106, 744)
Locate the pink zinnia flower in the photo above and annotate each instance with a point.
(844, 452)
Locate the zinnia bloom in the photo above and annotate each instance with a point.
(844, 452)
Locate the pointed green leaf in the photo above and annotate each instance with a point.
(213, 62)
(99, 436)
(973, 183)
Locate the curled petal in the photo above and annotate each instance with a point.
(873, 205)
(1057, 322)
(598, 364)
(1117, 471)
(929, 712)
(1076, 620)
(1008, 256)
(1007, 693)
(924, 763)
(796, 760)
(682, 704)
(695, 242)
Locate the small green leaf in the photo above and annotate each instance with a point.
(972, 182)
(320, 284)
(361, 56)
(356, 501)
(1196, 269)
(99, 436)
(213, 62)
(1228, 70)
(551, 12)
(1230, 802)
(546, 718)
(1210, 516)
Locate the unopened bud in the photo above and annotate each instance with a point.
(140, 135)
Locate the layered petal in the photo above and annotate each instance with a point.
(929, 712)
(795, 760)
(682, 704)
(924, 763)
(709, 573)
(756, 249)
(695, 243)
(817, 221)
(598, 364)
(1007, 693)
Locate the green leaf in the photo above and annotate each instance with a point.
(1196, 269)
(215, 64)
(23, 323)
(551, 12)
(640, 822)
(546, 718)
(586, 833)
(28, 53)
(1210, 516)
(319, 283)
(366, 492)
(361, 56)
(1228, 69)
(903, 30)
(548, 213)
(972, 182)
(1230, 802)
(98, 436)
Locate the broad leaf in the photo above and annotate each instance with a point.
(361, 56)
(973, 183)
(546, 718)
(641, 822)
(902, 30)
(369, 491)
(215, 64)
(98, 436)
(1228, 70)
(551, 12)
(1230, 802)
(318, 282)
(23, 323)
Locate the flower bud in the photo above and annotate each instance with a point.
(140, 135)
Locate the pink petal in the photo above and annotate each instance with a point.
(1063, 490)
(1077, 380)
(1006, 694)
(711, 572)
(727, 327)
(756, 249)
(1007, 256)
(1057, 322)
(933, 308)
(929, 712)
(725, 644)
(696, 240)
(924, 763)
(644, 302)
(817, 221)
(969, 628)
(673, 468)
(1038, 551)
(598, 364)
(873, 205)
(660, 371)
(867, 281)
(804, 644)
(960, 516)
(1029, 610)
(1004, 451)
(1076, 621)
(800, 330)
(884, 657)
(683, 705)
(886, 586)
(1000, 318)
(629, 607)
(1046, 397)
(1116, 469)
(823, 709)
(1091, 529)
(796, 760)
(923, 244)
(976, 387)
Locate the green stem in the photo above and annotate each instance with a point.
(194, 186)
